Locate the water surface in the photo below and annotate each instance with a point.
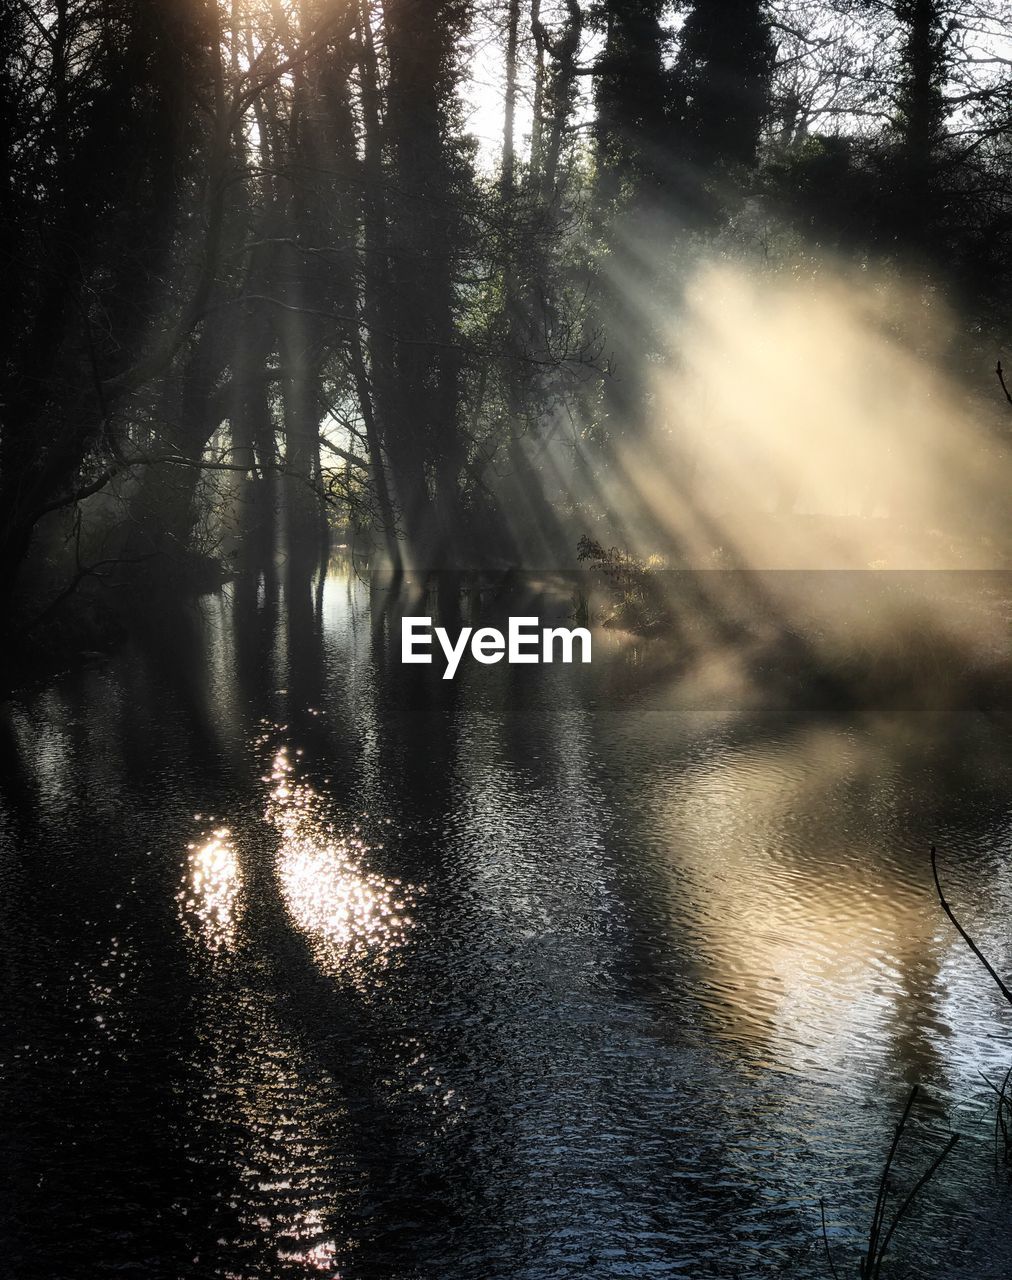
(318, 965)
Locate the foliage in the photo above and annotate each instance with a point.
(264, 280)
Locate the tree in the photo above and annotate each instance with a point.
(722, 78)
(99, 157)
(631, 98)
(919, 124)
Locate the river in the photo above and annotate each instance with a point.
(318, 965)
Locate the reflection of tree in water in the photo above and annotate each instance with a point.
(647, 898)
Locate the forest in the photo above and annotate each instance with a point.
(428, 280)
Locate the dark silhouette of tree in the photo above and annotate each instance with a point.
(631, 91)
(722, 75)
(100, 156)
(426, 233)
(919, 125)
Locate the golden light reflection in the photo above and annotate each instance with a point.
(209, 901)
(314, 1249)
(349, 911)
(813, 949)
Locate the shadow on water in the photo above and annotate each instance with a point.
(322, 965)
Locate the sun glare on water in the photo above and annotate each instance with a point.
(349, 911)
(210, 897)
(330, 894)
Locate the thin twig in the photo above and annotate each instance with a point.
(901, 1212)
(883, 1186)
(825, 1240)
(962, 932)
